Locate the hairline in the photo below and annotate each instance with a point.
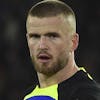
(65, 15)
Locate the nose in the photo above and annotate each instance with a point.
(43, 43)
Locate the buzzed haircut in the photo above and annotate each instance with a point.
(49, 8)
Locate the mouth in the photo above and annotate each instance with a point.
(44, 58)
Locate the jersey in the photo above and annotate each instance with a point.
(78, 87)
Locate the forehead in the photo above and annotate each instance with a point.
(50, 23)
(35, 21)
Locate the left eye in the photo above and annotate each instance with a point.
(52, 36)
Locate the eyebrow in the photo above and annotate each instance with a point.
(46, 34)
(34, 34)
(52, 34)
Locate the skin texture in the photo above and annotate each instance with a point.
(52, 44)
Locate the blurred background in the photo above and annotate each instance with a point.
(16, 70)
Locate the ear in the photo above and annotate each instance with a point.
(75, 41)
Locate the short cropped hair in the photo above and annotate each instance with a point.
(50, 8)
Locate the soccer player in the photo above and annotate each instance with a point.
(52, 40)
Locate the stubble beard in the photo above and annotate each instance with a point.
(51, 67)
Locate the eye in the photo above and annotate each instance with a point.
(53, 35)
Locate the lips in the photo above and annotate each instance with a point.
(43, 57)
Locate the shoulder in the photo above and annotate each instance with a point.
(87, 91)
(80, 87)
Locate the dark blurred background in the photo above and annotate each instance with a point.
(16, 70)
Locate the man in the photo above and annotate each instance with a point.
(52, 40)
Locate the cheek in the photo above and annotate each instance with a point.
(62, 49)
(59, 50)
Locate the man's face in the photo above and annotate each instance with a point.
(50, 43)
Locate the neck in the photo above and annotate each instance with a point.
(69, 70)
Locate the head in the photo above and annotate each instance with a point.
(51, 35)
